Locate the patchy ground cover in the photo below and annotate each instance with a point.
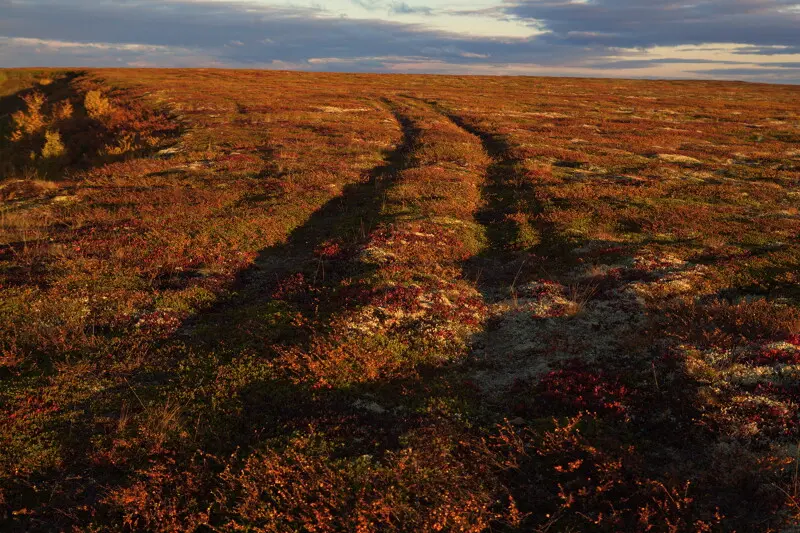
(275, 301)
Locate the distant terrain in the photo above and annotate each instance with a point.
(277, 301)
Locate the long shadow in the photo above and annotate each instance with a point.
(295, 266)
(641, 367)
(276, 407)
(344, 220)
(508, 191)
(271, 407)
(214, 338)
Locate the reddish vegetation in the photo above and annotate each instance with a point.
(275, 301)
(580, 389)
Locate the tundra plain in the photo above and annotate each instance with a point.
(279, 301)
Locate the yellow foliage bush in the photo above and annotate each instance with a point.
(31, 120)
(63, 111)
(97, 105)
(53, 146)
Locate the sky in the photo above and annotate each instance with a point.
(751, 40)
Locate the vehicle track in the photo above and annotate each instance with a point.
(347, 217)
(520, 287)
(411, 260)
(208, 341)
(511, 214)
(403, 287)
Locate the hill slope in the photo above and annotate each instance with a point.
(276, 301)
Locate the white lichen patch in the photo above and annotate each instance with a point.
(541, 114)
(370, 406)
(66, 199)
(541, 325)
(376, 255)
(173, 150)
(679, 159)
(783, 346)
(545, 325)
(334, 109)
(751, 375)
(744, 387)
(746, 427)
(432, 314)
(673, 277)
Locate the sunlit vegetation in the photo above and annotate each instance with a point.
(279, 302)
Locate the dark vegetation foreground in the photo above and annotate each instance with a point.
(278, 302)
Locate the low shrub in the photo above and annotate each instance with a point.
(97, 106)
(53, 147)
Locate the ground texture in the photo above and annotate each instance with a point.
(278, 302)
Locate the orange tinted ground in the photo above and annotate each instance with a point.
(265, 301)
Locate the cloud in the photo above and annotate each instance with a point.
(396, 7)
(405, 9)
(369, 5)
(260, 33)
(586, 37)
(633, 23)
(773, 50)
(23, 51)
(763, 74)
(292, 34)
